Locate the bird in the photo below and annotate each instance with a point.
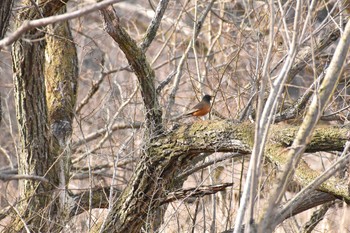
(200, 109)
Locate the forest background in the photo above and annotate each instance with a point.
(91, 93)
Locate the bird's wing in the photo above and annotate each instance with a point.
(194, 109)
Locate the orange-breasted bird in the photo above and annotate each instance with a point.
(201, 109)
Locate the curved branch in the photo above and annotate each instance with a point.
(138, 61)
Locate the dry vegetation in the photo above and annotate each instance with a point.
(236, 55)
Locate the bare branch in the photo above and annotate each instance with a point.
(138, 61)
(337, 166)
(198, 26)
(100, 196)
(208, 163)
(28, 25)
(101, 132)
(154, 25)
(308, 126)
(194, 192)
(316, 217)
(7, 177)
(315, 199)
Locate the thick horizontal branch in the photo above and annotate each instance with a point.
(228, 136)
(188, 141)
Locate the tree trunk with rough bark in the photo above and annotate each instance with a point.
(5, 13)
(40, 154)
(61, 76)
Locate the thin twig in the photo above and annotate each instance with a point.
(109, 127)
(198, 26)
(208, 163)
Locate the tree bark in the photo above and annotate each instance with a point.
(61, 74)
(173, 153)
(35, 158)
(143, 71)
(61, 77)
(5, 13)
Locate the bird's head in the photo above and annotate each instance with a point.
(207, 98)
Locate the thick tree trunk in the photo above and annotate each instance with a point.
(5, 13)
(34, 157)
(61, 75)
(39, 206)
